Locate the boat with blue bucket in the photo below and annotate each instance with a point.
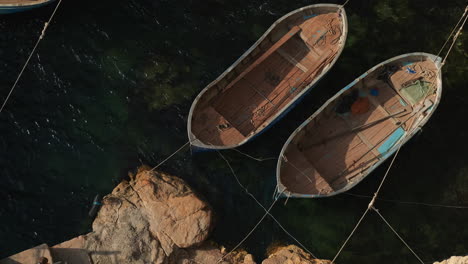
(269, 78)
(13, 6)
(360, 127)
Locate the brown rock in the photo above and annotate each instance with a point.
(32, 255)
(180, 215)
(71, 251)
(142, 221)
(292, 255)
(239, 257)
(248, 259)
(208, 253)
(454, 260)
(156, 218)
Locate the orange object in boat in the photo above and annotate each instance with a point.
(360, 106)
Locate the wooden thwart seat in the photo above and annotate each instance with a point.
(265, 55)
(297, 87)
(291, 60)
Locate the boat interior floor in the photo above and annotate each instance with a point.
(266, 86)
(335, 148)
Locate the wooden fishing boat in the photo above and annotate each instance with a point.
(13, 6)
(360, 127)
(269, 78)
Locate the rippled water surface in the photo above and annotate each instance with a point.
(110, 88)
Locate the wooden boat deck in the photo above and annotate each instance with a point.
(334, 149)
(264, 87)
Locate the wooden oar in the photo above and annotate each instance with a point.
(355, 162)
(353, 130)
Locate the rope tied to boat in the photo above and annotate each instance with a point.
(409, 202)
(372, 202)
(267, 211)
(170, 156)
(453, 30)
(398, 235)
(46, 25)
(369, 207)
(252, 157)
(455, 37)
(288, 195)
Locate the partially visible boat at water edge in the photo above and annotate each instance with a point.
(13, 6)
(360, 127)
(269, 78)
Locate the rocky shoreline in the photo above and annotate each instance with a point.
(156, 218)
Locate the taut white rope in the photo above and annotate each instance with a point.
(30, 55)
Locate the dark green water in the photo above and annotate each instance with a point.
(111, 86)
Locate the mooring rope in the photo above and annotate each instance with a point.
(30, 55)
(237, 179)
(385, 176)
(394, 231)
(257, 159)
(371, 204)
(291, 236)
(456, 35)
(170, 156)
(345, 3)
(350, 235)
(453, 30)
(261, 205)
(251, 231)
(409, 203)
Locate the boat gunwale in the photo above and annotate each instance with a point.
(29, 4)
(197, 143)
(282, 190)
